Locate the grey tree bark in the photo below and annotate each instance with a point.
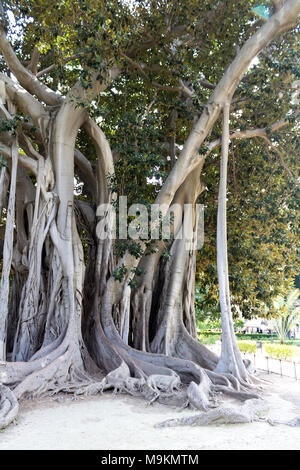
(57, 332)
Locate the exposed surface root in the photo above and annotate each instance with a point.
(243, 396)
(154, 377)
(293, 422)
(165, 375)
(199, 395)
(61, 370)
(225, 415)
(250, 411)
(9, 406)
(59, 367)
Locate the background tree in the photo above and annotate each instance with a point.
(287, 310)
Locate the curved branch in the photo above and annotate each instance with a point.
(284, 19)
(24, 101)
(105, 157)
(25, 77)
(180, 89)
(280, 156)
(28, 147)
(259, 132)
(53, 66)
(27, 162)
(86, 171)
(34, 60)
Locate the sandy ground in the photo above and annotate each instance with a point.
(123, 422)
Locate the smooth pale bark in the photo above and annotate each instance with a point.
(25, 102)
(62, 363)
(189, 157)
(4, 184)
(143, 295)
(230, 360)
(8, 251)
(222, 254)
(86, 173)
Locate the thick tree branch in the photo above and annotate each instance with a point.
(24, 76)
(277, 4)
(28, 147)
(180, 89)
(105, 157)
(280, 156)
(27, 162)
(34, 60)
(24, 101)
(279, 22)
(51, 67)
(86, 171)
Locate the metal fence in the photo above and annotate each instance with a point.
(275, 366)
(267, 363)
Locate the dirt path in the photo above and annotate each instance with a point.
(123, 422)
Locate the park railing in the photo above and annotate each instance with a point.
(276, 366)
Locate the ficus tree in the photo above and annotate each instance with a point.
(102, 99)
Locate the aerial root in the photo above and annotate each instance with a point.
(239, 395)
(59, 370)
(292, 422)
(9, 406)
(258, 381)
(89, 389)
(246, 413)
(153, 377)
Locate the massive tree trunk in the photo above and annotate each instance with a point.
(68, 325)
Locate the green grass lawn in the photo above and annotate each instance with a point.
(210, 337)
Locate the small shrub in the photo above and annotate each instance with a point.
(281, 351)
(211, 339)
(247, 346)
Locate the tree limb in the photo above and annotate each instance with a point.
(25, 102)
(34, 60)
(280, 155)
(86, 171)
(27, 162)
(180, 89)
(24, 76)
(48, 69)
(279, 22)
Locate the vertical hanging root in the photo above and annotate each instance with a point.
(230, 360)
(8, 252)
